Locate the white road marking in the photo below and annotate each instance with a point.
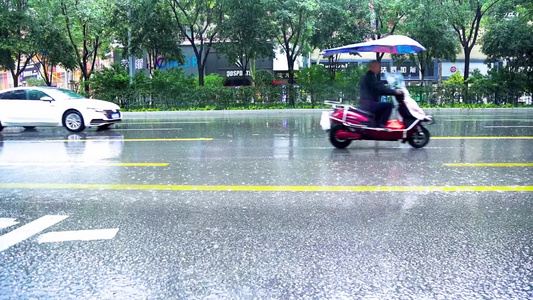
(7, 222)
(24, 232)
(149, 123)
(78, 235)
(146, 129)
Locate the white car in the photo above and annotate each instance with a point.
(526, 100)
(30, 107)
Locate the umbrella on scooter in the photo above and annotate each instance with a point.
(395, 44)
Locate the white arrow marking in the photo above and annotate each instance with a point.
(24, 232)
(78, 235)
(7, 222)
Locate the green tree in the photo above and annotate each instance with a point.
(340, 22)
(248, 32)
(425, 22)
(89, 27)
(295, 22)
(199, 21)
(17, 46)
(386, 16)
(147, 25)
(509, 38)
(465, 17)
(51, 43)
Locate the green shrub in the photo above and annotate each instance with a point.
(213, 80)
(263, 78)
(35, 82)
(455, 79)
(111, 84)
(173, 90)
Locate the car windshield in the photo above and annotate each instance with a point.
(64, 94)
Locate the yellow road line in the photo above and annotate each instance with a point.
(264, 188)
(482, 137)
(489, 165)
(82, 164)
(112, 140)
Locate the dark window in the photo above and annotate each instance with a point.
(14, 95)
(36, 95)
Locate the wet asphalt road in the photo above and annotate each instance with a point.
(260, 244)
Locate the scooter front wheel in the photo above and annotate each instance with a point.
(334, 139)
(420, 137)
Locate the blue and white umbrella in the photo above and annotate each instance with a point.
(395, 44)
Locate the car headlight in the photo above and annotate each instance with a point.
(96, 109)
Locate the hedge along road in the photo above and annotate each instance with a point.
(243, 204)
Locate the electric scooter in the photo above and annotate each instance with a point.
(346, 123)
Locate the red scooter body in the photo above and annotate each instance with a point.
(349, 123)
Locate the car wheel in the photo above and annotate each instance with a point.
(73, 121)
(334, 139)
(29, 127)
(420, 138)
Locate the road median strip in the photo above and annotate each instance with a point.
(265, 188)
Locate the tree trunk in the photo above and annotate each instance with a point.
(15, 79)
(86, 87)
(253, 70)
(244, 67)
(440, 72)
(468, 51)
(290, 63)
(290, 92)
(51, 68)
(201, 73)
(422, 77)
(47, 80)
(332, 67)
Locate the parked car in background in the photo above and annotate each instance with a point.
(526, 100)
(31, 107)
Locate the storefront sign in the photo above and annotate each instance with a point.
(190, 62)
(403, 69)
(31, 71)
(237, 73)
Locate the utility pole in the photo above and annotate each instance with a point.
(130, 60)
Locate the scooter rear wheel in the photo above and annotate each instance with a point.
(420, 137)
(335, 141)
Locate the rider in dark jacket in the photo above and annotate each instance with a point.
(371, 91)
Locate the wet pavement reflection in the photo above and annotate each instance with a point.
(270, 244)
